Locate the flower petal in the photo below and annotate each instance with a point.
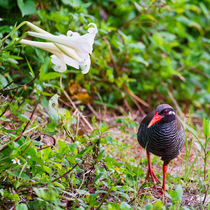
(50, 47)
(71, 62)
(92, 30)
(86, 63)
(71, 33)
(13, 161)
(16, 160)
(60, 65)
(68, 51)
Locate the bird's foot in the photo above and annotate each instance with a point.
(161, 192)
(153, 176)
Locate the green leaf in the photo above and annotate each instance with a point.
(3, 81)
(100, 191)
(82, 192)
(74, 148)
(49, 76)
(206, 127)
(63, 148)
(23, 116)
(148, 207)
(21, 206)
(48, 195)
(2, 192)
(103, 129)
(98, 177)
(53, 107)
(47, 169)
(30, 68)
(93, 120)
(180, 192)
(158, 205)
(73, 3)
(59, 185)
(100, 155)
(41, 192)
(208, 153)
(17, 184)
(27, 8)
(125, 206)
(46, 153)
(172, 194)
(19, 174)
(198, 146)
(5, 4)
(139, 46)
(139, 59)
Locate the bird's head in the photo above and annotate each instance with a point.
(164, 113)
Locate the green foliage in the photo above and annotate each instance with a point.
(149, 47)
(143, 50)
(176, 195)
(27, 8)
(80, 172)
(202, 144)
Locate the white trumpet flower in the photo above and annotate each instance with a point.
(73, 49)
(58, 58)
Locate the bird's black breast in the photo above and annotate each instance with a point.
(162, 139)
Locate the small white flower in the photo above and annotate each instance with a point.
(16, 160)
(73, 49)
(29, 157)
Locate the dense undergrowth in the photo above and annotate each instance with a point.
(63, 163)
(69, 140)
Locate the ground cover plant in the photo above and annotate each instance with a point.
(68, 140)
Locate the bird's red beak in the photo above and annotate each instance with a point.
(155, 119)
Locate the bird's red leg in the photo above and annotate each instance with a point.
(163, 190)
(165, 168)
(150, 171)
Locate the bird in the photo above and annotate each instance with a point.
(162, 134)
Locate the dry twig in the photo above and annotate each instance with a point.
(132, 95)
(72, 103)
(3, 89)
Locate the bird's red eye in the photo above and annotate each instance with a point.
(165, 111)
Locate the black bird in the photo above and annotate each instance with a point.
(162, 134)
